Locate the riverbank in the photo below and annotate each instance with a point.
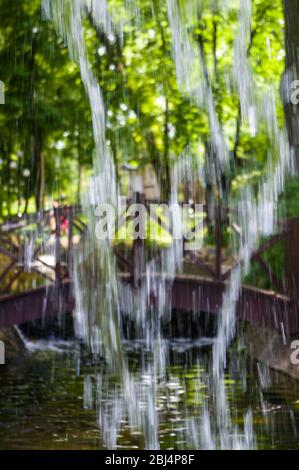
(14, 346)
(272, 349)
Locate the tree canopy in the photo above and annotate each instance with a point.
(46, 141)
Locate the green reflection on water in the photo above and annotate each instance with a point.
(42, 404)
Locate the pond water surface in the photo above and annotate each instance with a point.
(48, 399)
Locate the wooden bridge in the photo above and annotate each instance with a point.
(36, 265)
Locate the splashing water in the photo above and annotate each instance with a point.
(100, 297)
(255, 215)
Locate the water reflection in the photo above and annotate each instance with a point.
(49, 399)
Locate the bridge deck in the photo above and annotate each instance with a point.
(189, 293)
(51, 259)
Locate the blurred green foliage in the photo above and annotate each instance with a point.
(45, 125)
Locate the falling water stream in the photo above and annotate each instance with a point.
(100, 297)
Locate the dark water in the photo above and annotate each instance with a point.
(48, 400)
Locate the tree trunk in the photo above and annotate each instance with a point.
(292, 258)
(291, 109)
(79, 167)
(166, 178)
(41, 188)
(79, 174)
(37, 143)
(291, 73)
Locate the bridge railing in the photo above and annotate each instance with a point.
(32, 246)
(25, 241)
